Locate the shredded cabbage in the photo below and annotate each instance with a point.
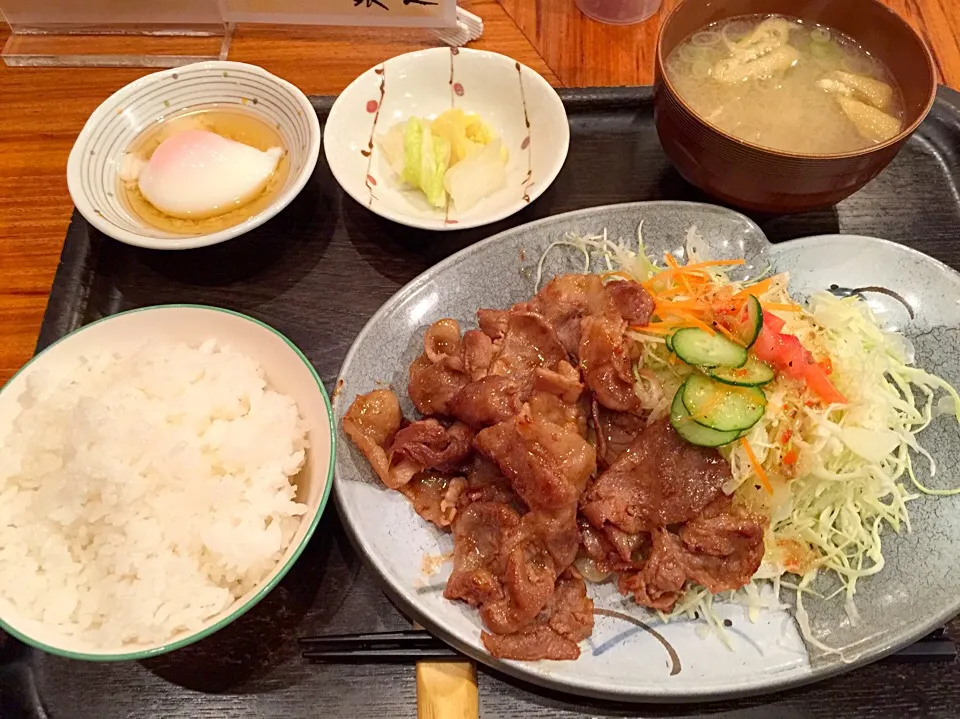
(434, 161)
(455, 154)
(478, 176)
(837, 472)
(413, 134)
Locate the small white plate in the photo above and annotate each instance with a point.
(517, 103)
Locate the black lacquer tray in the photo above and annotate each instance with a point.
(317, 272)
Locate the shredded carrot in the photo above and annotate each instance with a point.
(714, 263)
(669, 323)
(756, 290)
(757, 469)
(704, 326)
(723, 295)
(673, 272)
(662, 328)
(695, 322)
(782, 307)
(667, 292)
(653, 329)
(673, 324)
(696, 305)
(692, 272)
(700, 267)
(729, 335)
(697, 285)
(672, 262)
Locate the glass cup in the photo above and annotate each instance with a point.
(618, 12)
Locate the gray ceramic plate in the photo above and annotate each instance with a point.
(918, 590)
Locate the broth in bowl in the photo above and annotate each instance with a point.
(787, 85)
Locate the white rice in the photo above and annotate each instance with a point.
(142, 492)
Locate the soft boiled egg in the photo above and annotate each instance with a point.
(197, 174)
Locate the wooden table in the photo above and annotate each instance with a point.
(42, 110)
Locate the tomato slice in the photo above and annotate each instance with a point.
(767, 345)
(786, 353)
(820, 385)
(782, 351)
(773, 322)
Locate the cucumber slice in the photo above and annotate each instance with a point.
(753, 374)
(746, 322)
(698, 347)
(669, 342)
(696, 433)
(722, 407)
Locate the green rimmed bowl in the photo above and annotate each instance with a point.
(288, 371)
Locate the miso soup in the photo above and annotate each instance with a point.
(780, 83)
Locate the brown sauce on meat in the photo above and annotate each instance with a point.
(534, 449)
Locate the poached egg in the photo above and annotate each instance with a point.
(198, 174)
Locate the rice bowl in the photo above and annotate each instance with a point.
(152, 541)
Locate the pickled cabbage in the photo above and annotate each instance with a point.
(455, 157)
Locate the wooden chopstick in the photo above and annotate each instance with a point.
(418, 645)
(447, 689)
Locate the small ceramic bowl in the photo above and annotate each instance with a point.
(766, 180)
(515, 101)
(287, 371)
(95, 160)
